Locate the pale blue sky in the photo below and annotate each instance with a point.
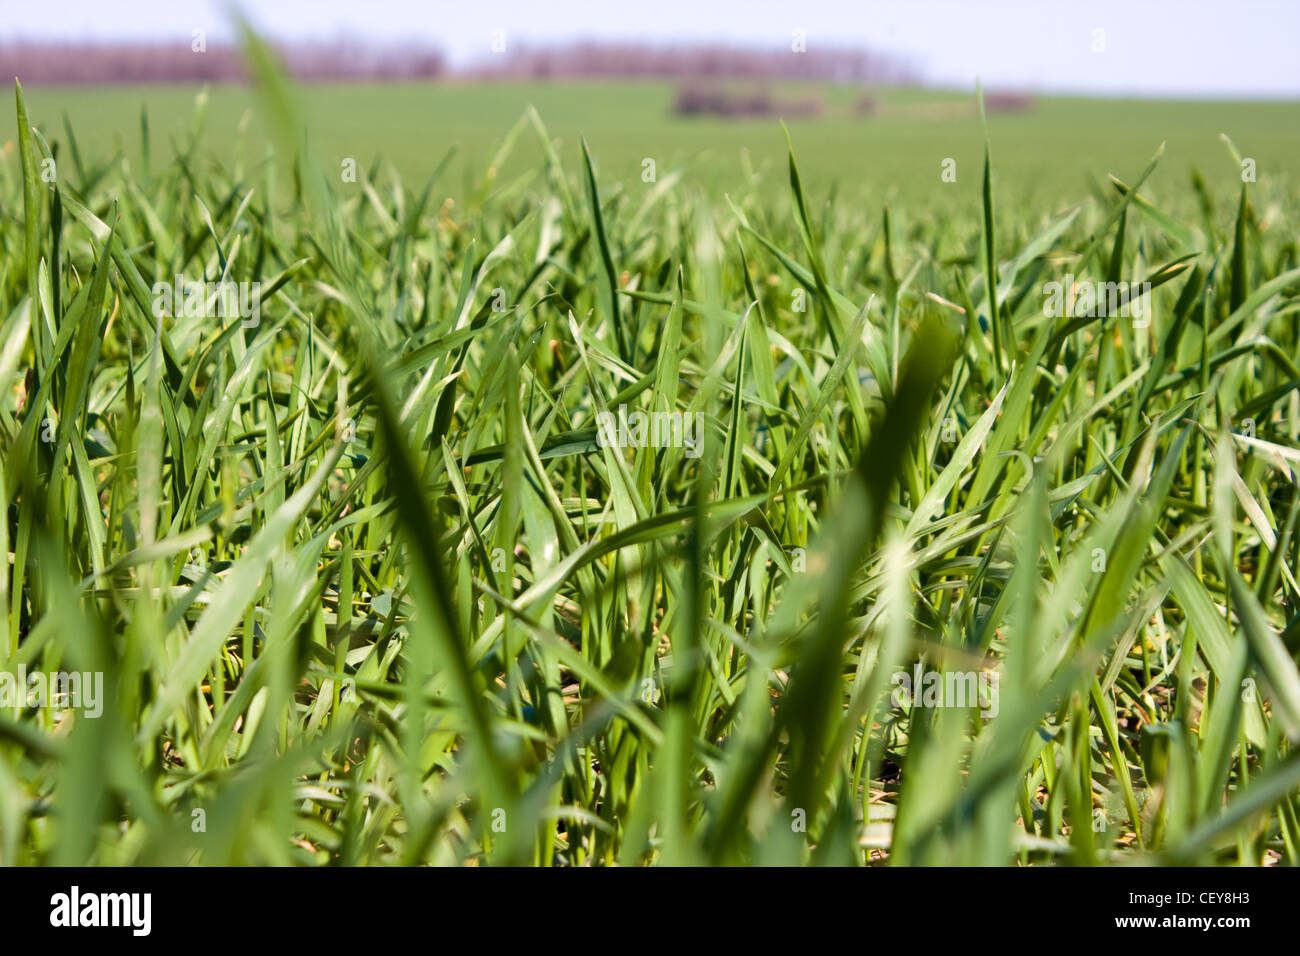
(1154, 47)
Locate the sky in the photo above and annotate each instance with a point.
(1185, 48)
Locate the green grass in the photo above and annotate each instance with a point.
(1047, 156)
(366, 589)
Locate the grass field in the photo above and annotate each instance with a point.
(1048, 156)
(927, 573)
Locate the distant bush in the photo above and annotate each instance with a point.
(86, 63)
(1007, 102)
(695, 61)
(709, 100)
(89, 63)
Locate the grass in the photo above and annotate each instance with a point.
(366, 588)
(1047, 157)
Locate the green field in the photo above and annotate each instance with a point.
(1048, 156)
(369, 581)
